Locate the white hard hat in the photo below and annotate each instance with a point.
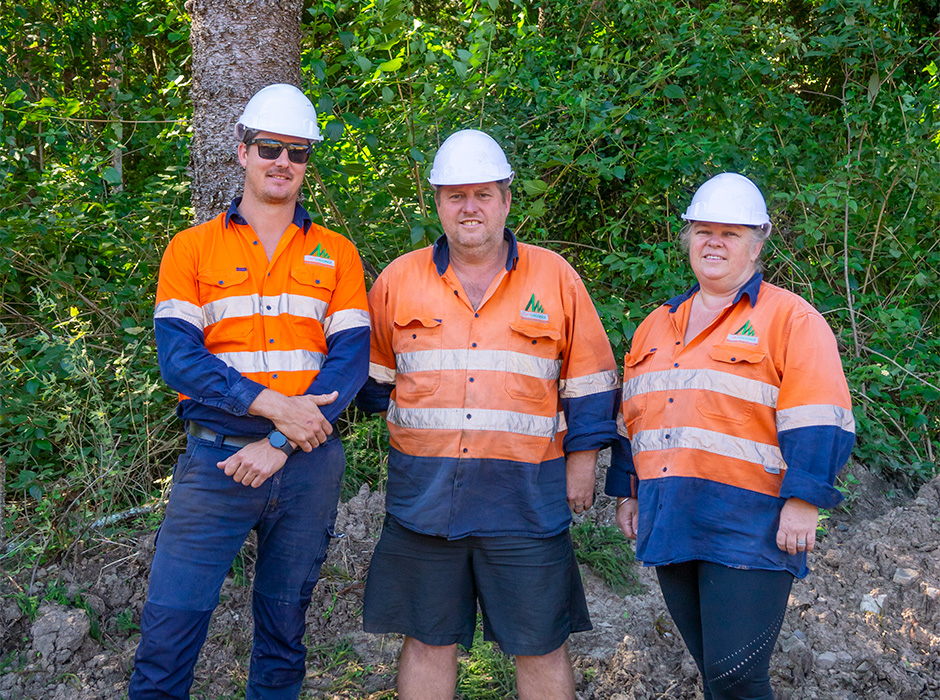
(728, 198)
(280, 109)
(468, 157)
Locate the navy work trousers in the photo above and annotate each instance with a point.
(207, 519)
(729, 620)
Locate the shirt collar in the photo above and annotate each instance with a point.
(751, 288)
(301, 218)
(441, 253)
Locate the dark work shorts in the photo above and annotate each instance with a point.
(529, 590)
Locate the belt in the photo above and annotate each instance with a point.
(204, 433)
(239, 441)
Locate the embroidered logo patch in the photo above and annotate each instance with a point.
(745, 334)
(534, 311)
(319, 256)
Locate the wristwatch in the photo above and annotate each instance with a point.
(279, 440)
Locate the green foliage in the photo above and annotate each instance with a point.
(124, 621)
(484, 672)
(606, 551)
(365, 441)
(84, 419)
(611, 114)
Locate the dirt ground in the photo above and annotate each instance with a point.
(864, 625)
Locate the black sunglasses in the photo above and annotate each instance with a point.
(270, 149)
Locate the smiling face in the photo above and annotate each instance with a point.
(275, 181)
(723, 256)
(473, 217)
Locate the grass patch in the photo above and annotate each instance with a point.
(365, 442)
(605, 550)
(485, 673)
(343, 668)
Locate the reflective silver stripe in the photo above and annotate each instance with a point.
(621, 426)
(815, 415)
(704, 379)
(689, 438)
(473, 419)
(381, 373)
(251, 304)
(231, 307)
(574, 387)
(345, 319)
(494, 360)
(183, 310)
(273, 361)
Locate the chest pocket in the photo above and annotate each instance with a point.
(533, 363)
(228, 304)
(635, 365)
(417, 342)
(310, 291)
(731, 401)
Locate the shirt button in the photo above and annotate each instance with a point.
(534, 342)
(678, 342)
(671, 400)
(465, 450)
(255, 242)
(664, 468)
(221, 282)
(676, 364)
(733, 359)
(316, 282)
(268, 308)
(414, 335)
(273, 376)
(468, 415)
(476, 315)
(654, 349)
(457, 484)
(473, 345)
(271, 341)
(456, 293)
(471, 380)
(667, 436)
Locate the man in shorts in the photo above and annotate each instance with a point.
(499, 387)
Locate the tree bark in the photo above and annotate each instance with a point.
(238, 47)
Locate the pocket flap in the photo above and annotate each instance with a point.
(223, 277)
(632, 359)
(314, 275)
(411, 321)
(535, 330)
(725, 353)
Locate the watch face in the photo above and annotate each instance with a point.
(277, 439)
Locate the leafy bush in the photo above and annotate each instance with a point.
(611, 113)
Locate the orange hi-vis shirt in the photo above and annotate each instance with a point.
(721, 431)
(483, 403)
(230, 322)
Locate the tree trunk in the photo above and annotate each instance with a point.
(238, 48)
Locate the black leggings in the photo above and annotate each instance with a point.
(729, 619)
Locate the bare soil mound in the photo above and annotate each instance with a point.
(865, 624)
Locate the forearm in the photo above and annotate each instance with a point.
(344, 371)
(189, 368)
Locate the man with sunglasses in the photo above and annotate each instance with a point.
(262, 326)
